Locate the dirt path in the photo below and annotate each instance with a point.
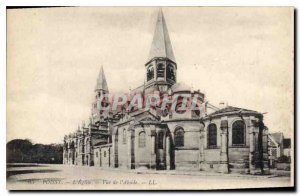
(80, 177)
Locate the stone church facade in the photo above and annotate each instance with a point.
(227, 139)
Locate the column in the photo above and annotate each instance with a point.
(113, 156)
(201, 147)
(266, 163)
(83, 150)
(91, 152)
(168, 152)
(135, 146)
(128, 149)
(69, 157)
(78, 151)
(100, 155)
(252, 145)
(68, 153)
(64, 153)
(224, 146)
(164, 150)
(109, 157)
(75, 152)
(153, 147)
(115, 145)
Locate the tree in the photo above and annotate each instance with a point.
(23, 151)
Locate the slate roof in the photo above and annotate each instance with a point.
(230, 109)
(180, 86)
(277, 137)
(101, 81)
(161, 44)
(97, 142)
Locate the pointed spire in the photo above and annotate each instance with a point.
(161, 44)
(101, 81)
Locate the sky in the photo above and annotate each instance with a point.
(240, 55)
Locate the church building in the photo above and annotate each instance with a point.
(223, 139)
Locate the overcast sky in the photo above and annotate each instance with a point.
(243, 56)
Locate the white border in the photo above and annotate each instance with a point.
(151, 3)
(3, 5)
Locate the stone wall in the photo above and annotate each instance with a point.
(143, 154)
(126, 152)
(102, 156)
(187, 156)
(123, 147)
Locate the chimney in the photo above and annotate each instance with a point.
(221, 105)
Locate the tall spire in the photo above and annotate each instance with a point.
(161, 44)
(101, 81)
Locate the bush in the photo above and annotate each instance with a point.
(283, 159)
(23, 151)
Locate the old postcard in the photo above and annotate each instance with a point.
(150, 98)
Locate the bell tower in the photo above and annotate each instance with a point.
(161, 65)
(100, 90)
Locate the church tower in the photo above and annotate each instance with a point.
(161, 65)
(100, 90)
(101, 85)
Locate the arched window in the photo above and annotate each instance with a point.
(179, 137)
(81, 146)
(196, 108)
(124, 136)
(238, 133)
(150, 73)
(212, 136)
(72, 145)
(181, 105)
(180, 108)
(87, 145)
(142, 139)
(161, 70)
(171, 72)
(160, 140)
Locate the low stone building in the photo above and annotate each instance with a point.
(228, 139)
(278, 146)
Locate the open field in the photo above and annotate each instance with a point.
(52, 177)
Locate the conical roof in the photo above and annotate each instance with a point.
(101, 81)
(161, 44)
